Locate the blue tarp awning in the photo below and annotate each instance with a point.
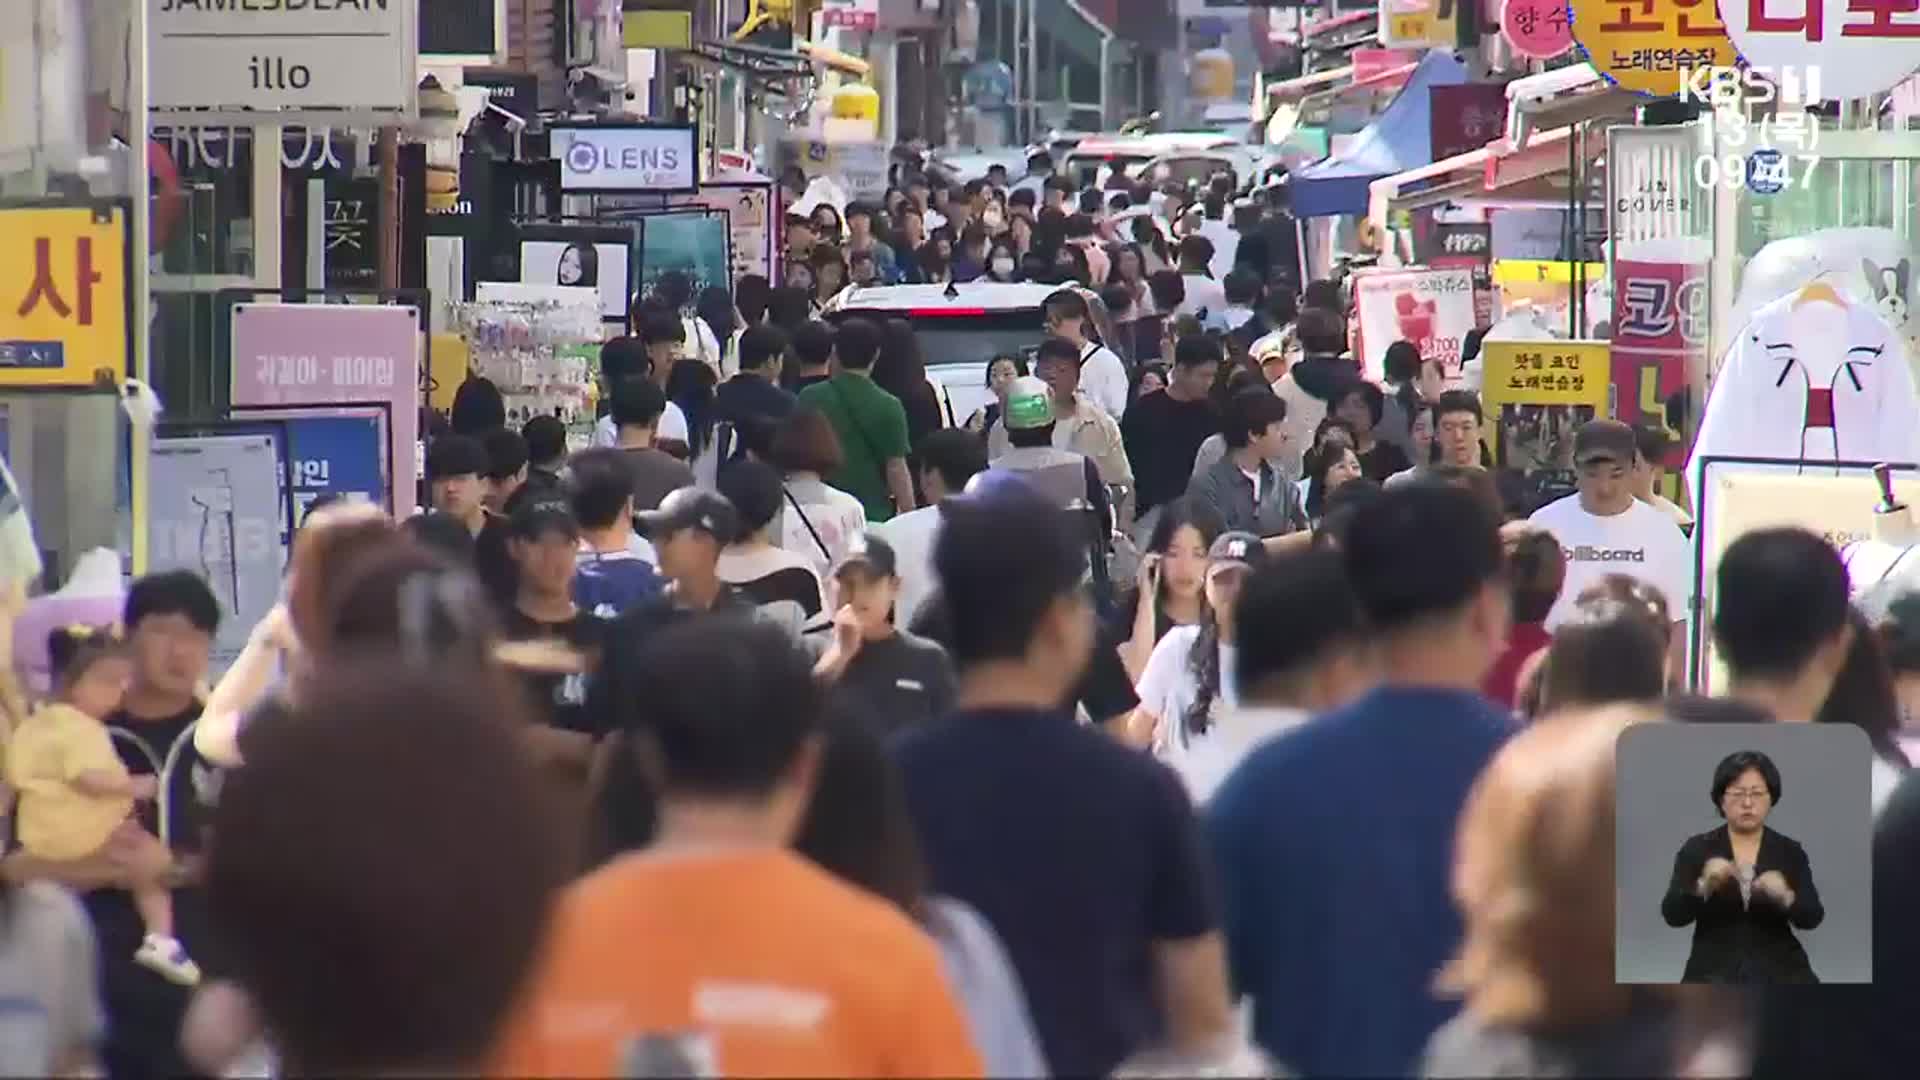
(1400, 138)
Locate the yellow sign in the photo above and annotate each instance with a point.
(656, 29)
(1546, 373)
(1416, 24)
(1534, 271)
(1651, 45)
(65, 307)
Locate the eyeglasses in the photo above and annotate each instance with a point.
(1760, 795)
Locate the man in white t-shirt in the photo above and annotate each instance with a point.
(1205, 293)
(948, 459)
(1605, 530)
(1103, 377)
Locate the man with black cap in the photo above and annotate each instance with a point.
(1605, 530)
(543, 540)
(456, 470)
(688, 531)
(894, 680)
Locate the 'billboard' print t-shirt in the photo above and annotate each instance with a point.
(1643, 543)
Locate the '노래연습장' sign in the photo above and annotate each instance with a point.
(1545, 372)
(1651, 45)
(65, 305)
(332, 354)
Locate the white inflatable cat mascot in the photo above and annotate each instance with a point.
(1869, 266)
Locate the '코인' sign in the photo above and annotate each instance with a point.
(1651, 45)
(65, 307)
(1537, 29)
(1847, 49)
(614, 158)
(1432, 308)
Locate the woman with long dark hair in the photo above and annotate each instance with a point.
(690, 385)
(900, 371)
(714, 306)
(858, 828)
(1170, 590)
(1184, 682)
(1864, 696)
(579, 266)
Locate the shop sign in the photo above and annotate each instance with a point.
(1468, 246)
(284, 54)
(1652, 45)
(65, 306)
(1537, 29)
(1854, 49)
(1434, 309)
(614, 158)
(749, 209)
(851, 14)
(1660, 321)
(1466, 117)
(1570, 373)
(314, 150)
(1419, 24)
(335, 354)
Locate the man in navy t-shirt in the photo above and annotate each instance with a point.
(1334, 842)
(1083, 854)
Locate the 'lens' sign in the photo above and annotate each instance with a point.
(635, 157)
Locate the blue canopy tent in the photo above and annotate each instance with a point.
(1401, 138)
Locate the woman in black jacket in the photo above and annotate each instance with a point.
(1743, 886)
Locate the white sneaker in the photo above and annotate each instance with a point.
(168, 958)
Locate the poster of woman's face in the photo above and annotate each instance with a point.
(579, 264)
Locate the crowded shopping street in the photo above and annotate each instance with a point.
(947, 538)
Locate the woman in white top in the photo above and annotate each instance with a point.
(817, 520)
(1187, 678)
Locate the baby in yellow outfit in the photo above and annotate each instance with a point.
(76, 796)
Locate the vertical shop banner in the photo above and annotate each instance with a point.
(1538, 393)
(215, 509)
(336, 354)
(65, 305)
(1468, 246)
(749, 218)
(1434, 309)
(1660, 320)
(1466, 117)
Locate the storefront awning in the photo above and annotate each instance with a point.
(1292, 88)
(1493, 169)
(1399, 139)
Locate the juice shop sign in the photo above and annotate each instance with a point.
(638, 158)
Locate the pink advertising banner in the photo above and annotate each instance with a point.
(331, 354)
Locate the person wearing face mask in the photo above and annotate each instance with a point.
(1001, 264)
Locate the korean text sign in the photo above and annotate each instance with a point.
(65, 306)
(1848, 49)
(1660, 318)
(1546, 373)
(1650, 45)
(1434, 309)
(334, 354)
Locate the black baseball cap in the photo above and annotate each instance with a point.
(541, 517)
(1242, 549)
(1604, 440)
(870, 555)
(690, 508)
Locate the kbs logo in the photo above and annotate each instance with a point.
(1785, 136)
(1589, 553)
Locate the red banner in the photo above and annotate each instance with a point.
(1660, 322)
(1466, 117)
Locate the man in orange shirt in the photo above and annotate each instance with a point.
(717, 951)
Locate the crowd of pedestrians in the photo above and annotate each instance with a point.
(1198, 704)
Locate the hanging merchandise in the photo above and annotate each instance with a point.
(541, 354)
(1814, 378)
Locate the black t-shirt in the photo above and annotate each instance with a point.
(744, 399)
(1162, 437)
(790, 584)
(561, 697)
(1105, 690)
(612, 702)
(1018, 814)
(898, 683)
(145, 1011)
(494, 564)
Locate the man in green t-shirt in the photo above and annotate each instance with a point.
(870, 422)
